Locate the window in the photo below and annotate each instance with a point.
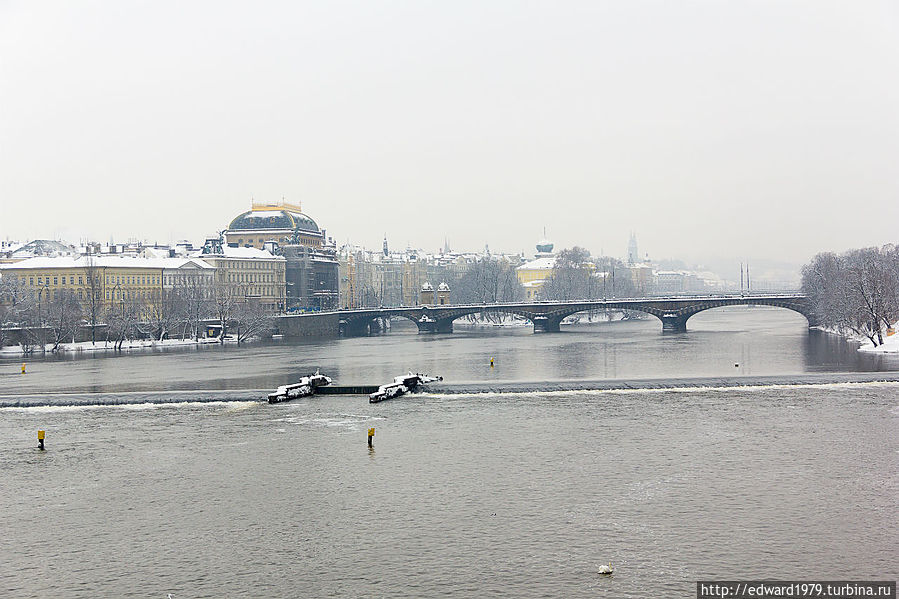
(80, 281)
(63, 280)
(55, 282)
(31, 280)
(71, 280)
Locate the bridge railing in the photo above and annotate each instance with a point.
(616, 300)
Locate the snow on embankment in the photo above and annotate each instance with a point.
(88, 346)
(890, 344)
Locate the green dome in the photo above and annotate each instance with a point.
(273, 219)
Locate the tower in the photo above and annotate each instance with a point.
(633, 256)
(386, 252)
(426, 295)
(443, 293)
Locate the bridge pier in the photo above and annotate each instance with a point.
(356, 328)
(546, 324)
(673, 323)
(435, 326)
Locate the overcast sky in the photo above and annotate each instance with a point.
(761, 129)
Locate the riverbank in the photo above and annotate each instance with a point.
(102, 346)
(890, 345)
(890, 341)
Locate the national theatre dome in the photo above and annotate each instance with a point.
(269, 219)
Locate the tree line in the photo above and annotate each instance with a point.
(856, 291)
(576, 275)
(43, 321)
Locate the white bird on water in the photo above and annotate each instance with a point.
(605, 569)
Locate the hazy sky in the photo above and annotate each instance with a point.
(764, 129)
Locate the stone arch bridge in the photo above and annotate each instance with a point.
(547, 316)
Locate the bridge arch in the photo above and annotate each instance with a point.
(360, 323)
(442, 322)
(675, 320)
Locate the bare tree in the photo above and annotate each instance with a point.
(225, 298)
(873, 284)
(16, 301)
(488, 281)
(162, 315)
(857, 291)
(614, 278)
(93, 303)
(34, 323)
(251, 319)
(123, 319)
(571, 278)
(63, 318)
(192, 302)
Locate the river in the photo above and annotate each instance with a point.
(463, 495)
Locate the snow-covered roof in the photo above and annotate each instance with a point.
(240, 252)
(43, 247)
(539, 264)
(105, 261)
(672, 273)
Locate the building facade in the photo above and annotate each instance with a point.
(311, 267)
(252, 273)
(112, 279)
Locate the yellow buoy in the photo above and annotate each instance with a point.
(23, 367)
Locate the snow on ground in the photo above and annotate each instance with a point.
(890, 344)
(84, 346)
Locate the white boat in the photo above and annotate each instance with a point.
(402, 385)
(303, 388)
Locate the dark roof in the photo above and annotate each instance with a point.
(273, 219)
(44, 247)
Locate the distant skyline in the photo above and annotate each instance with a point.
(714, 130)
